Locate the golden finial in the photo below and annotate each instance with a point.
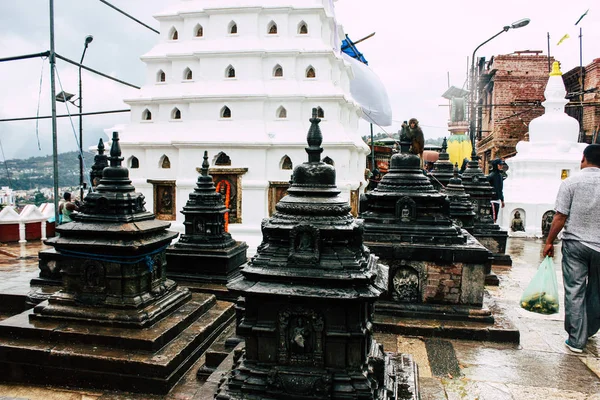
(555, 69)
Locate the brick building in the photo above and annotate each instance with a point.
(511, 90)
(587, 109)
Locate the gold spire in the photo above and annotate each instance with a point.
(555, 69)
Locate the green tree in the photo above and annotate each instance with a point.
(39, 198)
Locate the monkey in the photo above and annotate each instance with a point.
(415, 134)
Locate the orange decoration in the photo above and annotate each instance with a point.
(227, 199)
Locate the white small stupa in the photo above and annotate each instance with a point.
(239, 78)
(536, 172)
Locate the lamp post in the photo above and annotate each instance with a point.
(517, 24)
(88, 40)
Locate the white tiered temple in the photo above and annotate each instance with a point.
(240, 78)
(536, 172)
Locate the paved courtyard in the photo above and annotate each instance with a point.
(540, 367)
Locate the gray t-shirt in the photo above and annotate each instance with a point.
(579, 198)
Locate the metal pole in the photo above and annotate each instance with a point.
(372, 150)
(581, 86)
(81, 131)
(549, 66)
(53, 104)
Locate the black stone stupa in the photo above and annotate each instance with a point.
(50, 277)
(437, 269)
(309, 296)
(461, 208)
(206, 257)
(118, 322)
(484, 229)
(442, 169)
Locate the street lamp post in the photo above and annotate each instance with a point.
(88, 40)
(473, 96)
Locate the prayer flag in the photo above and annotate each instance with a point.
(562, 39)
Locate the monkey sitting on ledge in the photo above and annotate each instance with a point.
(413, 132)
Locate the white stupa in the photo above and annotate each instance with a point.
(239, 78)
(551, 155)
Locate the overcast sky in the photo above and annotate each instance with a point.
(417, 45)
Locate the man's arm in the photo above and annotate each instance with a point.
(558, 222)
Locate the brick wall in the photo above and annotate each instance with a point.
(513, 87)
(590, 121)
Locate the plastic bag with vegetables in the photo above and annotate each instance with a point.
(541, 295)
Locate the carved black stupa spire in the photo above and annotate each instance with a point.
(100, 162)
(309, 294)
(442, 169)
(406, 207)
(461, 209)
(205, 252)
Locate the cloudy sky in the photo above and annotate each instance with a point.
(418, 47)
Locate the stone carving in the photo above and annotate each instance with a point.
(304, 244)
(406, 285)
(517, 224)
(406, 209)
(300, 337)
(547, 222)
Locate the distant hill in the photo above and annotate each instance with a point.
(37, 172)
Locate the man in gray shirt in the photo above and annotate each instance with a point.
(578, 211)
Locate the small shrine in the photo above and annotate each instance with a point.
(443, 169)
(205, 253)
(436, 269)
(309, 296)
(49, 279)
(117, 322)
(461, 208)
(484, 229)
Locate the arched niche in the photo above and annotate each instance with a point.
(161, 76)
(198, 31)
(286, 163)
(278, 71)
(225, 112)
(229, 72)
(328, 160)
(173, 34)
(272, 28)
(146, 115)
(281, 112)
(187, 74)
(164, 162)
(222, 159)
(232, 28)
(303, 28)
(133, 162)
(320, 113)
(311, 72)
(176, 113)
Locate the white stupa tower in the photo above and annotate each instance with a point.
(239, 78)
(551, 155)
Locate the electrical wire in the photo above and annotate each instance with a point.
(37, 115)
(79, 146)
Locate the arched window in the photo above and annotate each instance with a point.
(329, 161)
(187, 74)
(161, 76)
(230, 72)
(198, 31)
(278, 71)
(233, 30)
(320, 113)
(134, 163)
(147, 115)
(222, 159)
(225, 112)
(281, 112)
(164, 162)
(176, 113)
(302, 28)
(310, 72)
(174, 35)
(272, 28)
(286, 163)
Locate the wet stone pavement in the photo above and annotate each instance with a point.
(540, 367)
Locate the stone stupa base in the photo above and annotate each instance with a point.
(80, 354)
(49, 280)
(401, 383)
(206, 270)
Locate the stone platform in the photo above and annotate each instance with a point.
(147, 360)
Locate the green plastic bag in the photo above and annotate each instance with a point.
(541, 295)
